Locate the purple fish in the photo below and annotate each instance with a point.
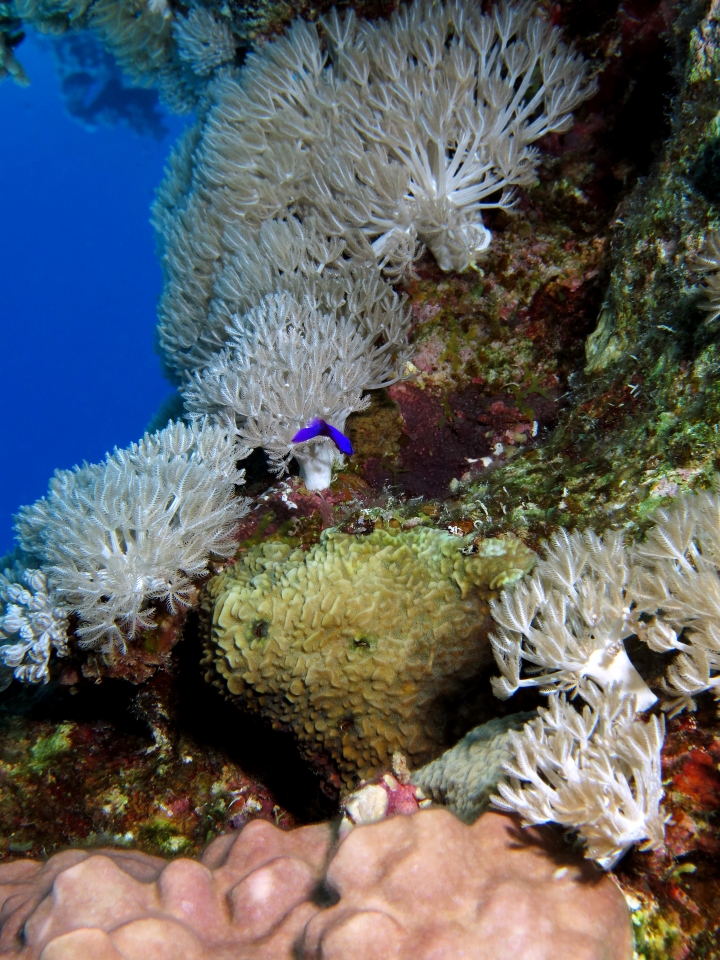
(320, 428)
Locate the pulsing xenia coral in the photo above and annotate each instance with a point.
(282, 256)
(33, 624)
(390, 133)
(677, 580)
(139, 527)
(569, 621)
(203, 42)
(329, 157)
(599, 770)
(596, 770)
(291, 378)
(707, 263)
(440, 106)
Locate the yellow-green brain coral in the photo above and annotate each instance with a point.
(358, 642)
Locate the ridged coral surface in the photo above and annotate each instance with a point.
(359, 644)
(425, 887)
(465, 777)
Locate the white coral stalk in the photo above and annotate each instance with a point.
(137, 528)
(597, 770)
(569, 621)
(290, 366)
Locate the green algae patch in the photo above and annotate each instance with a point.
(47, 749)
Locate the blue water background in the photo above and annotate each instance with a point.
(79, 282)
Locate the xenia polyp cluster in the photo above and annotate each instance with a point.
(339, 150)
(563, 630)
(112, 537)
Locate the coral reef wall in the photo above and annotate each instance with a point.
(568, 381)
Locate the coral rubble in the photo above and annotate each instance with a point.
(419, 886)
(360, 643)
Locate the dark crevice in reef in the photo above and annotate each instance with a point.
(619, 133)
(109, 703)
(268, 755)
(258, 476)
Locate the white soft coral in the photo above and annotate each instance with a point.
(569, 621)
(677, 581)
(140, 527)
(597, 770)
(290, 366)
(33, 624)
(444, 103)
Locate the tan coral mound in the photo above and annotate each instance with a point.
(360, 644)
(427, 887)
(423, 887)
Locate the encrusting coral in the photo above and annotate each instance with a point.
(416, 886)
(359, 644)
(465, 776)
(139, 527)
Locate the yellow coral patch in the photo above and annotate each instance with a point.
(360, 643)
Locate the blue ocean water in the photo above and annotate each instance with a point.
(79, 279)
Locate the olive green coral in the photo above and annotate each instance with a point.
(360, 644)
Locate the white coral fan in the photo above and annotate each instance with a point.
(569, 620)
(597, 770)
(203, 42)
(291, 365)
(139, 527)
(32, 625)
(677, 580)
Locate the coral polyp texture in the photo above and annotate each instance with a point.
(290, 365)
(598, 768)
(335, 153)
(360, 644)
(391, 133)
(678, 581)
(595, 770)
(419, 886)
(203, 42)
(33, 626)
(140, 527)
(153, 45)
(465, 776)
(570, 619)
